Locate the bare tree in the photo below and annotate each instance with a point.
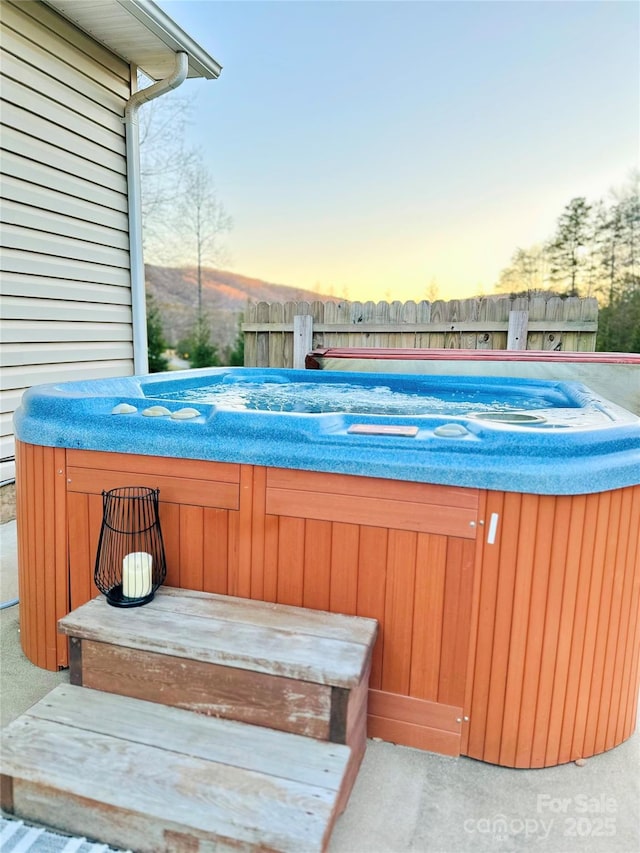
(528, 271)
(200, 220)
(618, 235)
(164, 161)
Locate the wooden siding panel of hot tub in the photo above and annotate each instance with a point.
(170, 526)
(456, 621)
(627, 545)
(319, 545)
(85, 520)
(561, 607)
(619, 644)
(290, 584)
(495, 625)
(630, 675)
(199, 509)
(191, 537)
(219, 547)
(605, 697)
(383, 588)
(26, 523)
(329, 544)
(414, 722)
(553, 673)
(519, 639)
(578, 629)
(397, 626)
(345, 548)
(42, 552)
(198, 543)
(38, 477)
(250, 532)
(428, 607)
(372, 588)
(183, 481)
(474, 618)
(542, 621)
(583, 676)
(420, 507)
(481, 651)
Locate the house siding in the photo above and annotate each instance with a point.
(66, 287)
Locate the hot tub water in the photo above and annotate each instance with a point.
(352, 398)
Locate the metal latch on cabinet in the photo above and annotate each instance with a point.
(493, 528)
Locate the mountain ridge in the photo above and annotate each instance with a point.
(224, 296)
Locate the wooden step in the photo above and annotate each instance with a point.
(142, 776)
(287, 668)
(284, 667)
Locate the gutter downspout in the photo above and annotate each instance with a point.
(132, 141)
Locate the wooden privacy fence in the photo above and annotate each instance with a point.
(280, 334)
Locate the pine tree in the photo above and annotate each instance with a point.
(156, 342)
(197, 348)
(568, 250)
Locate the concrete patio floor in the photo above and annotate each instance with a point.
(405, 799)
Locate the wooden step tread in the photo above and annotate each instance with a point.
(310, 645)
(140, 775)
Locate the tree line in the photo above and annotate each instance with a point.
(593, 251)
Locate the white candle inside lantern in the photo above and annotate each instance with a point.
(136, 574)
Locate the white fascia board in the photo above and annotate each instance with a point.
(140, 32)
(166, 29)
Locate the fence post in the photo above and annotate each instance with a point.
(518, 329)
(302, 338)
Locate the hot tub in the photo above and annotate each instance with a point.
(489, 524)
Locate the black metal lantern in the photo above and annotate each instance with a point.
(130, 563)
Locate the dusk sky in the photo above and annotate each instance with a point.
(373, 149)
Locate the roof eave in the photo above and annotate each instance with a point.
(126, 20)
(159, 23)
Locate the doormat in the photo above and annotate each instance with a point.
(18, 837)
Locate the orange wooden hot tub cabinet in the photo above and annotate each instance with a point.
(509, 623)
